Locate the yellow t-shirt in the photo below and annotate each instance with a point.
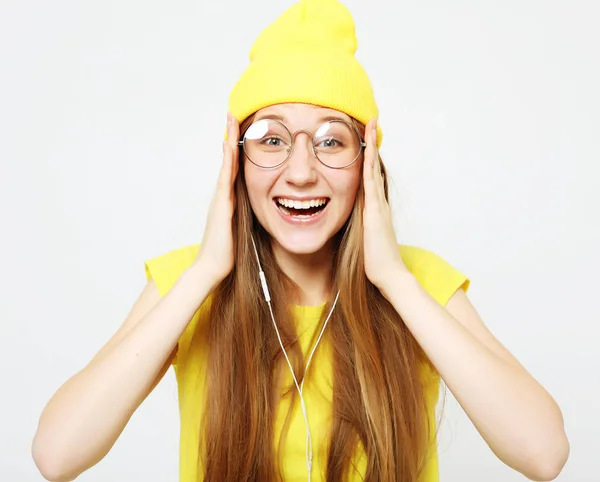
(439, 279)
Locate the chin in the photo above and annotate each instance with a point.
(301, 243)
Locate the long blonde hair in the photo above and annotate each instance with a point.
(378, 394)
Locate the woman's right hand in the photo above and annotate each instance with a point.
(216, 255)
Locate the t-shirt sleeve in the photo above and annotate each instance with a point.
(439, 278)
(166, 269)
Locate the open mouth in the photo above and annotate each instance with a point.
(306, 209)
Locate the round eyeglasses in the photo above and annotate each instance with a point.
(268, 143)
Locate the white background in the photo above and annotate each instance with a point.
(111, 121)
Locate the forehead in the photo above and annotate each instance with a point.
(297, 114)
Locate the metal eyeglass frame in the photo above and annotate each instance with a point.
(363, 144)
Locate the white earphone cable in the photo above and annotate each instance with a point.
(299, 387)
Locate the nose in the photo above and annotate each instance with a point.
(301, 167)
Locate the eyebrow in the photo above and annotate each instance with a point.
(283, 119)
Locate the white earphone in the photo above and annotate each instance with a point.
(299, 387)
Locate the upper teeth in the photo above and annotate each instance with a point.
(291, 203)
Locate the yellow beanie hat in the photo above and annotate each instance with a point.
(307, 56)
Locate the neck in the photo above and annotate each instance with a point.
(311, 272)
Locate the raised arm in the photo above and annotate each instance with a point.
(84, 418)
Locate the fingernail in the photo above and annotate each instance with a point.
(228, 119)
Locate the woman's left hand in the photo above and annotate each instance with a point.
(382, 255)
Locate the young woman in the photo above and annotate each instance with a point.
(307, 344)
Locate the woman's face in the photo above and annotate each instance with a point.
(302, 178)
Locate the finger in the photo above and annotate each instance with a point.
(233, 131)
(368, 179)
(233, 136)
(224, 180)
(226, 175)
(373, 156)
(377, 171)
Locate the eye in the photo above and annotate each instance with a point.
(273, 141)
(328, 143)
